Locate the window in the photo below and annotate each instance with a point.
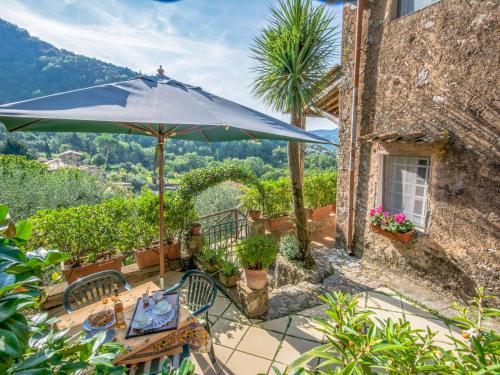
(406, 181)
(410, 6)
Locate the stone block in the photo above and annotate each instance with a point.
(253, 302)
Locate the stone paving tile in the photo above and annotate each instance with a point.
(219, 306)
(280, 366)
(245, 364)
(305, 328)
(234, 314)
(315, 312)
(259, 342)
(203, 364)
(383, 302)
(228, 333)
(292, 347)
(277, 325)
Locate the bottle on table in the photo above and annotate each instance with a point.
(119, 313)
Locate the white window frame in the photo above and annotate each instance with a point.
(396, 9)
(382, 190)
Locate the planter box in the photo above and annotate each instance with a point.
(405, 238)
(321, 212)
(149, 257)
(73, 274)
(280, 224)
(229, 281)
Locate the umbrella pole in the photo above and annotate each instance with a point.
(161, 141)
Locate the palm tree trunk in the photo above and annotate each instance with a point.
(296, 169)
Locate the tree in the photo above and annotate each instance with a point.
(14, 147)
(105, 143)
(293, 56)
(48, 152)
(98, 159)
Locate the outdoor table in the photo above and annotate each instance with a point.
(144, 348)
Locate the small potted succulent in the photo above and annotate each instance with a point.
(256, 254)
(229, 274)
(395, 227)
(210, 259)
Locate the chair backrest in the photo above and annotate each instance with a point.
(93, 288)
(201, 291)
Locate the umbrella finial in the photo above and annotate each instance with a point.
(160, 71)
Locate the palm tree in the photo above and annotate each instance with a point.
(293, 55)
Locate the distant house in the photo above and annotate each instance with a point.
(429, 136)
(71, 157)
(55, 164)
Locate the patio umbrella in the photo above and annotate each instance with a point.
(149, 105)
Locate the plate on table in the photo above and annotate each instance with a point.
(100, 321)
(141, 321)
(161, 308)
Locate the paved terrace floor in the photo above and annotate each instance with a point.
(249, 347)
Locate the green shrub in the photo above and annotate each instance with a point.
(89, 232)
(212, 257)
(218, 198)
(256, 252)
(229, 268)
(320, 189)
(26, 187)
(289, 247)
(359, 344)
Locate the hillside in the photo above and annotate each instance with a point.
(30, 67)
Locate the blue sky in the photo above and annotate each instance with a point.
(202, 42)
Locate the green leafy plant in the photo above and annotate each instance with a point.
(28, 343)
(186, 367)
(357, 343)
(289, 247)
(212, 258)
(256, 252)
(229, 268)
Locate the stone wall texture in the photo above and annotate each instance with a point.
(435, 70)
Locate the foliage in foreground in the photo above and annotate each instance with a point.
(28, 343)
(360, 344)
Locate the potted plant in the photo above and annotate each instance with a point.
(80, 265)
(255, 255)
(210, 258)
(176, 215)
(254, 215)
(322, 212)
(229, 274)
(279, 223)
(395, 227)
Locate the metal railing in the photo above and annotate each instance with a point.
(225, 228)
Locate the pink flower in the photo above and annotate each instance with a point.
(387, 215)
(383, 222)
(372, 212)
(379, 209)
(400, 218)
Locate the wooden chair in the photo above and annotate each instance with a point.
(155, 366)
(92, 289)
(199, 295)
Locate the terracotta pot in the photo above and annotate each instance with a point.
(149, 257)
(256, 279)
(321, 212)
(195, 228)
(280, 224)
(75, 273)
(254, 215)
(229, 281)
(405, 238)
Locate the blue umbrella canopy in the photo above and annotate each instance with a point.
(156, 106)
(152, 106)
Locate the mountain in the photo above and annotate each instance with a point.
(30, 67)
(330, 134)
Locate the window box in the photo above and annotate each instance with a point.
(405, 238)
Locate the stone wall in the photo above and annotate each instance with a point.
(435, 70)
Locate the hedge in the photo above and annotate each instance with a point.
(88, 232)
(320, 189)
